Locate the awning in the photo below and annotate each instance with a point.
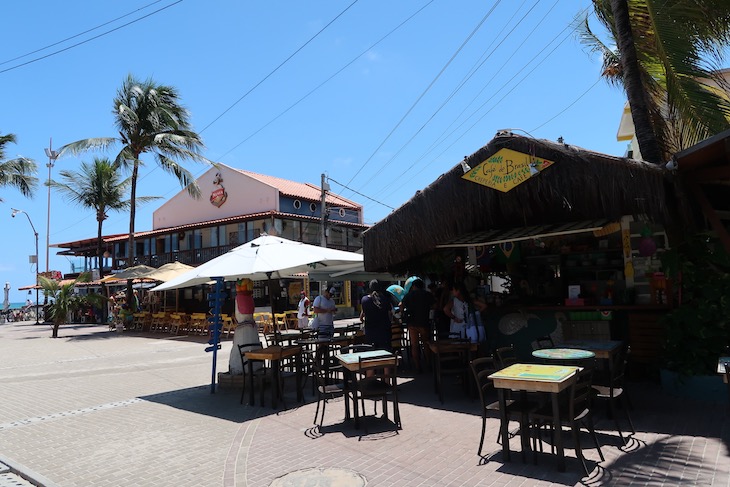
(495, 237)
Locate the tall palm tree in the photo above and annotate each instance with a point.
(150, 119)
(97, 186)
(17, 173)
(667, 57)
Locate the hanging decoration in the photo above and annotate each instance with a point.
(647, 245)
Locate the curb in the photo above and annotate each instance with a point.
(34, 478)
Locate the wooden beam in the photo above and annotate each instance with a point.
(711, 215)
(711, 174)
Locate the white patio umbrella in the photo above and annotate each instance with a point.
(261, 258)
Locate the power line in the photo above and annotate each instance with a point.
(360, 194)
(368, 49)
(566, 108)
(79, 34)
(89, 39)
(277, 68)
(428, 88)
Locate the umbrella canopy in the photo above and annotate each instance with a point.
(136, 272)
(260, 258)
(169, 271)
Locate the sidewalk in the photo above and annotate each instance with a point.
(93, 408)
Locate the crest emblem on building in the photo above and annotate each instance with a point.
(219, 195)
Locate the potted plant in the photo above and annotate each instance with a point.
(697, 331)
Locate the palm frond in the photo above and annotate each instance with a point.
(85, 145)
(186, 179)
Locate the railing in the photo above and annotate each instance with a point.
(193, 257)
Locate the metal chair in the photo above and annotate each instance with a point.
(575, 413)
(482, 368)
(543, 342)
(376, 379)
(505, 356)
(262, 374)
(614, 391)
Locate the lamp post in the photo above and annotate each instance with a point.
(52, 156)
(15, 212)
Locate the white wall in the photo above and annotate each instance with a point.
(244, 195)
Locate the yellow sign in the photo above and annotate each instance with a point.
(506, 169)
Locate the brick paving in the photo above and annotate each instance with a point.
(96, 409)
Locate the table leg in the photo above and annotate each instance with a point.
(346, 385)
(252, 394)
(504, 424)
(558, 429)
(299, 366)
(524, 428)
(275, 386)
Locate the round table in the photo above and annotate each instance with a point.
(562, 354)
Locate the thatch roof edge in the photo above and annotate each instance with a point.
(580, 185)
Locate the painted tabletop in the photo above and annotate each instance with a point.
(563, 354)
(535, 372)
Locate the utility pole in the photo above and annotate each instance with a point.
(323, 211)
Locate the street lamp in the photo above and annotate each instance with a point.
(15, 212)
(52, 156)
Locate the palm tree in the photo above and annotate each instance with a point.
(65, 301)
(97, 186)
(17, 173)
(150, 119)
(667, 58)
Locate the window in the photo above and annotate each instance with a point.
(197, 236)
(290, 229)
(255, 229)
(354, 238)
(310, 233)
(336, 236)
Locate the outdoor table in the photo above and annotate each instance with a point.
(351, 364)
(603, 349)
(721, 364)
(450, 347)
(275, 354)
(533, 378)
(569, 354)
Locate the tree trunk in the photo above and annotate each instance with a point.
(635, 91)
(56, 325)
(132, 212)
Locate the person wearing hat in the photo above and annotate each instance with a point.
(325, 308)
(303, 310)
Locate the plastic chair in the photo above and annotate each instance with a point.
(614, 391)
(575, 413)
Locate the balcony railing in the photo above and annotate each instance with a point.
(193, 257)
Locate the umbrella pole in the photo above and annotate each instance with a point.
(277, 335)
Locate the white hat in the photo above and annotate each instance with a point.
(332, 290)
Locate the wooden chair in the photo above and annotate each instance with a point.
(280, 321)
(263, 320)
(575, 413)
(376, 380)
(614, 391)
(229, 326)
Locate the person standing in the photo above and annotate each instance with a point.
(377, 314)
(303, 310)
(325, 308)
(417, 306)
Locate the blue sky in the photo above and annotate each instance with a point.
(383, 96)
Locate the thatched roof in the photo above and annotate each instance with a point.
(580, 185)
